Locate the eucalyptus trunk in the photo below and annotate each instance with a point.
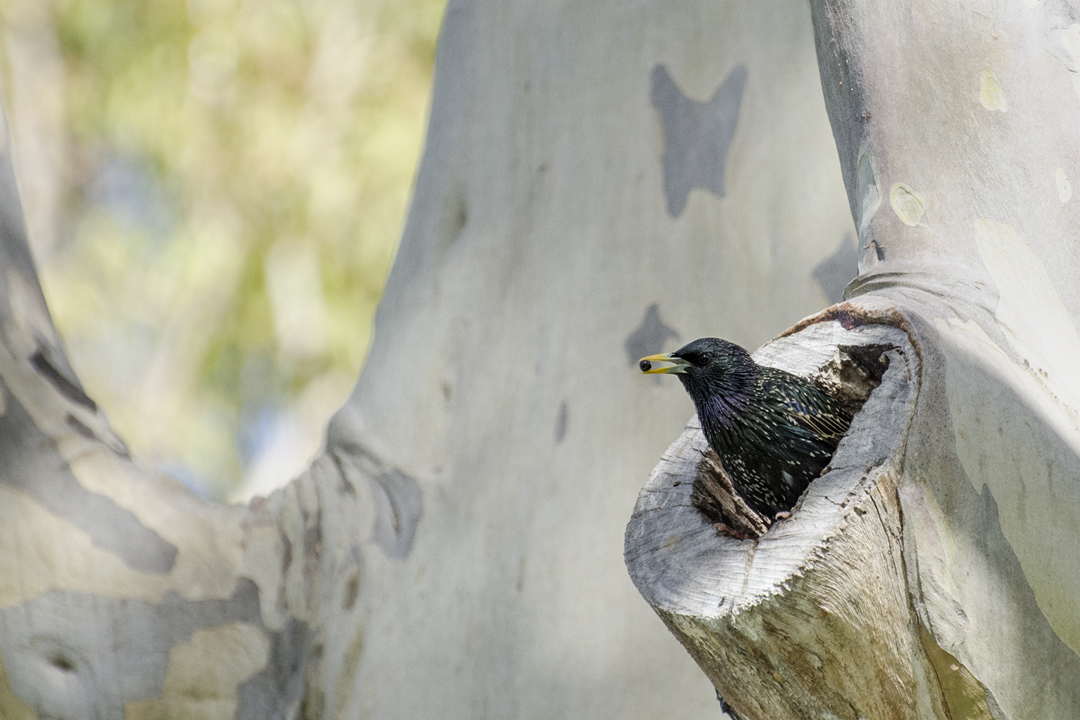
(932, 573)
(601, 181)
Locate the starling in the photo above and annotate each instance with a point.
(774, 432)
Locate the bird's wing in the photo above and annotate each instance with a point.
(811, 408)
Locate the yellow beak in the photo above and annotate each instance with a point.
(646, 364)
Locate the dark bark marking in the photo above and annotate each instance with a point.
(140, 635)
(836, 271)
(649, 337)
(398, 509)
(352, 591)
(268, 694)
(32, 465)
(697, 135)
(78, 426)
(69, 388)
(561, 422)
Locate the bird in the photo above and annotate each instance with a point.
(775, 432)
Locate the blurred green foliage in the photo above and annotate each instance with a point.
(234, 179)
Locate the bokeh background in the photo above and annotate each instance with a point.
(213, 191)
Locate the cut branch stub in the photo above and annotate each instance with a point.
(813, 619)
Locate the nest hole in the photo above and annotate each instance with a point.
(851, 375)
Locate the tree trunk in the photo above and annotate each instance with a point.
(600, 181)
(931, 572)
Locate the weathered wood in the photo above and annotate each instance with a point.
(785, 627)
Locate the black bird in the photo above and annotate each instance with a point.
(774, 432)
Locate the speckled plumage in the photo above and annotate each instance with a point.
(774, 431)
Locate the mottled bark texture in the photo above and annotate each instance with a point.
(601, 181)
(932, 572)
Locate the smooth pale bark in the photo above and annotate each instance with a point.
(932, 573)
(600, 181)
(503, 378)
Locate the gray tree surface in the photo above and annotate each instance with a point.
(932, 572)
(600, 181)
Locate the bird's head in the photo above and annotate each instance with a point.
(705, 366)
